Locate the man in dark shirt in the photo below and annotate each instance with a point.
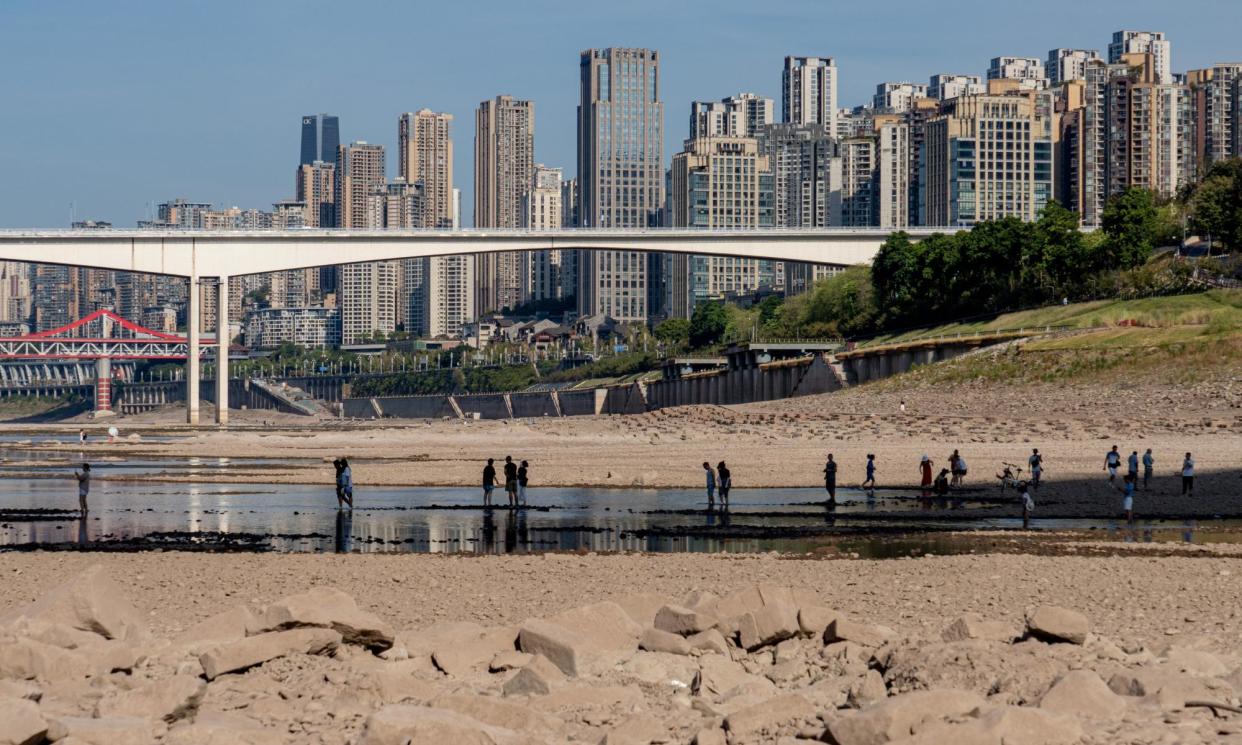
(511, 483)
(830, 479)
(489, 482)
(522, 480)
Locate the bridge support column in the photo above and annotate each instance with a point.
(192, 322)
(222, 351)
(103, 387)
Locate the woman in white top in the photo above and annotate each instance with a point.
(1188, 476)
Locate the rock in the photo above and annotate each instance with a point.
(497, 713)
(20, 689)
(509, 660)
(1195, 662)
(1052, 624)
(709, 641)
(718, 675)
(327, 607)
(772, 623)
(813, 620)
(867, 690)
(256, 650)
(399, 686)
(222, 729)
(789, 709)
(1167, 688)
(897, 717)
(566, 702)
(701, 600)
(642, 607)
(472, 654)
(1022, 725)
(973, 626)
(110, 731)
(578, 645)
(399, 724)
(54, 633)
(27, 659)
(419, 644)
(676, 619)
(92, 602)
(710, 737)
(20, 722)
(228, 626)
(660, 668)
(729, 610)
(1019, 672)
(843, 630)
(655, 640)
(170, 699)
(636, 730)
(605, 624)
(537, 678)
(1083, 693)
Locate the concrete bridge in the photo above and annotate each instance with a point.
(221, 254)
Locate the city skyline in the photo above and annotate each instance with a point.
(88, 104)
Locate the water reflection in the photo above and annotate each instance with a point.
(344, 531)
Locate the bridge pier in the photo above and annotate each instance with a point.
(222, 351)
(192, 323)
(103, 387)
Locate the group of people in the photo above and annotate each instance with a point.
(718, 480)
(344, 483)
(516, 480)
(1129, 482)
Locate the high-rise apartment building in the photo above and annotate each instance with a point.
(809, 91)
(321, 136)
(366, 293)
(620, 174)
(718, 183)
(736, 116)
(986, 157)
(359, 176)
(897, 97)
(425, 153)
(943, 86)
(1216, 96)
(858, 161)
(544, 272)
(55, 296)
(504, 160)
(1029, 71)
(891, 183)
(15, 294)
(1069, 64)
(368, 300)
(315, 186)
(1144, 42)
(806, 175)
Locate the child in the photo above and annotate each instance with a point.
(711, 484)
(347, 485)
(1028, 504)
(1127, 498)
(870, 482)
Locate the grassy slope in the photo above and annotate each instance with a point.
(1183, 340)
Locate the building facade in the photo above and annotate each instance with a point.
(321, 136)
(736, 116)
(547, 274)
(316, 328)
(944, 86)
(1069, 64)
(504, 160)
(1028, 71)
(425, 153)
(809, 91)
(1144, 42)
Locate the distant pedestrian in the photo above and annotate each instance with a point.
(511, 484)
(1188, 476)
(489, 482)
(347, 484)
(1112, 461)
(711, 484)
(830, 479)
(1132, 464)
(941, 487)
(870, 482)
(1149, 463)
(522, 479)
(81, 437)
(84, 486)
(1028, 504)
(724, 480)
(1036, 462)
(902, 407)
(957, 465)
(1127, 496)
(925, 474)
(338, 465)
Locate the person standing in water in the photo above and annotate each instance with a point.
(1127, 496)
(870, 482)
(1149, 462)
(711, 485)
(725, 480)
(347, 486)
(511, 485)
(830, 479)
(1188, 476)
(521, 482)
(1028, 505)
(1132, 464)
(489, 482)
(81, 437)
(84, 486)
(925, 474)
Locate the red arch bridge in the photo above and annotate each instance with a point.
(102, 336)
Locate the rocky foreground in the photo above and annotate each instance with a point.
(760, 664)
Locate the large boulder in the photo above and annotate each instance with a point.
(774, 622)
(20, 722)
(1002, 725)
(655, 640)
(973, 626)
(585, 641)
(676, 619)
(898, 717)
(327, 607)
(222, 729)
(1050, 623)
(844, 630)
(499, 713)
(1083, 693)
(90, 601)
(226, 626)
(171, 699)
(399, 724)
(642, 607)
(814, 620)
(27, 659)
(730, 609)
(256, 650)
(473, 653)
(393, 685)
(784, 711)
(1021, 672)
(110, 731)
(718, 676)
(709, 641)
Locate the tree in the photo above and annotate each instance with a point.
(707, 325)
(1130, 224)
(893, 277)
(673, 331)
(1216, 204)
(1057, 258)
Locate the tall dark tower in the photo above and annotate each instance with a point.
(321, 135)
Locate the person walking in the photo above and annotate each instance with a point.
(1132, 464)
(347, 483)
(1036, 462)
(1028, 504)
(339, 466)
(1149, 463)
(1127, 496)
(84, 486)
(711, 485)
(511, 484)
(1188, 476)
(1112, 461)
(81, 437)
(830, 479)
(725, 481)
(522, 479)
(870, 482)
(489, 481)
(925, 474)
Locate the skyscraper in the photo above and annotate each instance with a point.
(809, 91)
(425, 153)
(1069, 64)
(366, 293)
(1217, 94)
(1029, 71)
(359, 176)
(544, 271)
(316, 187)
(321, 136)
(620, 173)
(504, 158)
(897, 97)
(1144, 42)
(736, 116)
(806, 174)
(943, 86)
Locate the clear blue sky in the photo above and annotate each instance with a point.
(119, 103)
